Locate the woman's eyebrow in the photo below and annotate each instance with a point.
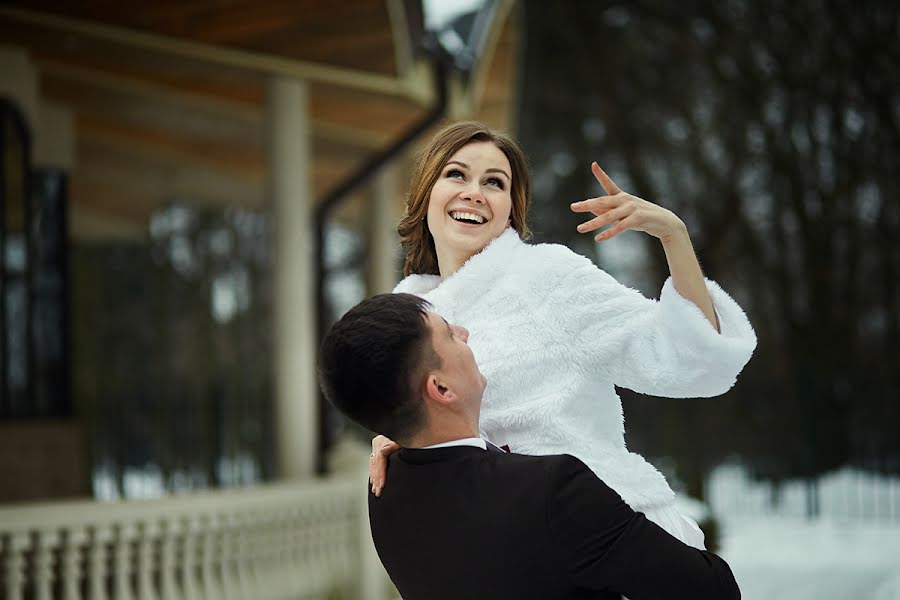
(465, 166)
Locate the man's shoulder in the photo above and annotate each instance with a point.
(554, 462)
(492, 467)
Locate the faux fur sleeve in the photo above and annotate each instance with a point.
(664, 348)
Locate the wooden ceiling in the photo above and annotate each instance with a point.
(354, 34)
(169, 97)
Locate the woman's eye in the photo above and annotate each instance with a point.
(495, 182)
(454, 173)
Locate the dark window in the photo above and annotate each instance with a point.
(33, 283)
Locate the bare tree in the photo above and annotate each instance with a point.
(773, 130)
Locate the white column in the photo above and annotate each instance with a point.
(385, 211)
(290, 163)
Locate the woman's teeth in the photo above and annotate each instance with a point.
(467, 217)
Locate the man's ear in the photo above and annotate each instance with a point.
(436, 390)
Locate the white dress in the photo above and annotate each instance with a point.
(553, 334)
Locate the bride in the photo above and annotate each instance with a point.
(553, 333)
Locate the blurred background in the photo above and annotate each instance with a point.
(193, 191)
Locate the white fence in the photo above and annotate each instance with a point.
(303, 540)
(844, 495)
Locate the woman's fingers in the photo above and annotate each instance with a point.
(377, 472)
(378, 441)
(382, 448)
(627, 223)
(605, 181)
(605, 218)
(388, 446)
(599, 205)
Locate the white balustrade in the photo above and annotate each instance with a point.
(290, 540)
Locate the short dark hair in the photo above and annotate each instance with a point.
(371, 359)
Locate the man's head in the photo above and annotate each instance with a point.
(398, 369)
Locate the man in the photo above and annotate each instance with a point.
(460, 518)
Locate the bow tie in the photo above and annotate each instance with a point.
(493, 448)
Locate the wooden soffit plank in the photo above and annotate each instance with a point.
(203, 49)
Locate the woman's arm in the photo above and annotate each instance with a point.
(624, 211)
(686, 274)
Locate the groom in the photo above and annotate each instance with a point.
(460, 518)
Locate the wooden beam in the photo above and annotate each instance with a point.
(90, 89)
(134, 86)
(228, 160)
(255, 61)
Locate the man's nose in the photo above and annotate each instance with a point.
(464, 334)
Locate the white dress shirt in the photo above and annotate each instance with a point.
(472, 441)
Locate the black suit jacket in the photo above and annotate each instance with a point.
(465, 523)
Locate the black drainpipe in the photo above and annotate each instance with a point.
(333, 199)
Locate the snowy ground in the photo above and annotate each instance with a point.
(790, 558)
(850, 552)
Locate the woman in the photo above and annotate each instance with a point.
(552, 333)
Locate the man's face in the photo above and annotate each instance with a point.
(458, 368)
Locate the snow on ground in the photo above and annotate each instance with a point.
(791, 558)
(850, 552)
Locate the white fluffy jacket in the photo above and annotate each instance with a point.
(553, 334)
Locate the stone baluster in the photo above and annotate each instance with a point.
(147, 559)
(72, 560)
(263, 552)
(225, 564)
(297, 572)
(123, 567)
(44, 543)
(190, 583)
(15, 544)
(274, 567)
(249, 526)
(98, 561)
(240, 557)
(168, 559)
(306, 527)
(209, 557)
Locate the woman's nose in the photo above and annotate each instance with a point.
(474, 195)
(464, 334)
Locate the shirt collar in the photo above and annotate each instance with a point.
(475, 442)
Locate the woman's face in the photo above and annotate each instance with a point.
(470, 202)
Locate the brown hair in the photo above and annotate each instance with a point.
(415, 237)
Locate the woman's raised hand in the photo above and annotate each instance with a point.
(382, 447)
(624, 211)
